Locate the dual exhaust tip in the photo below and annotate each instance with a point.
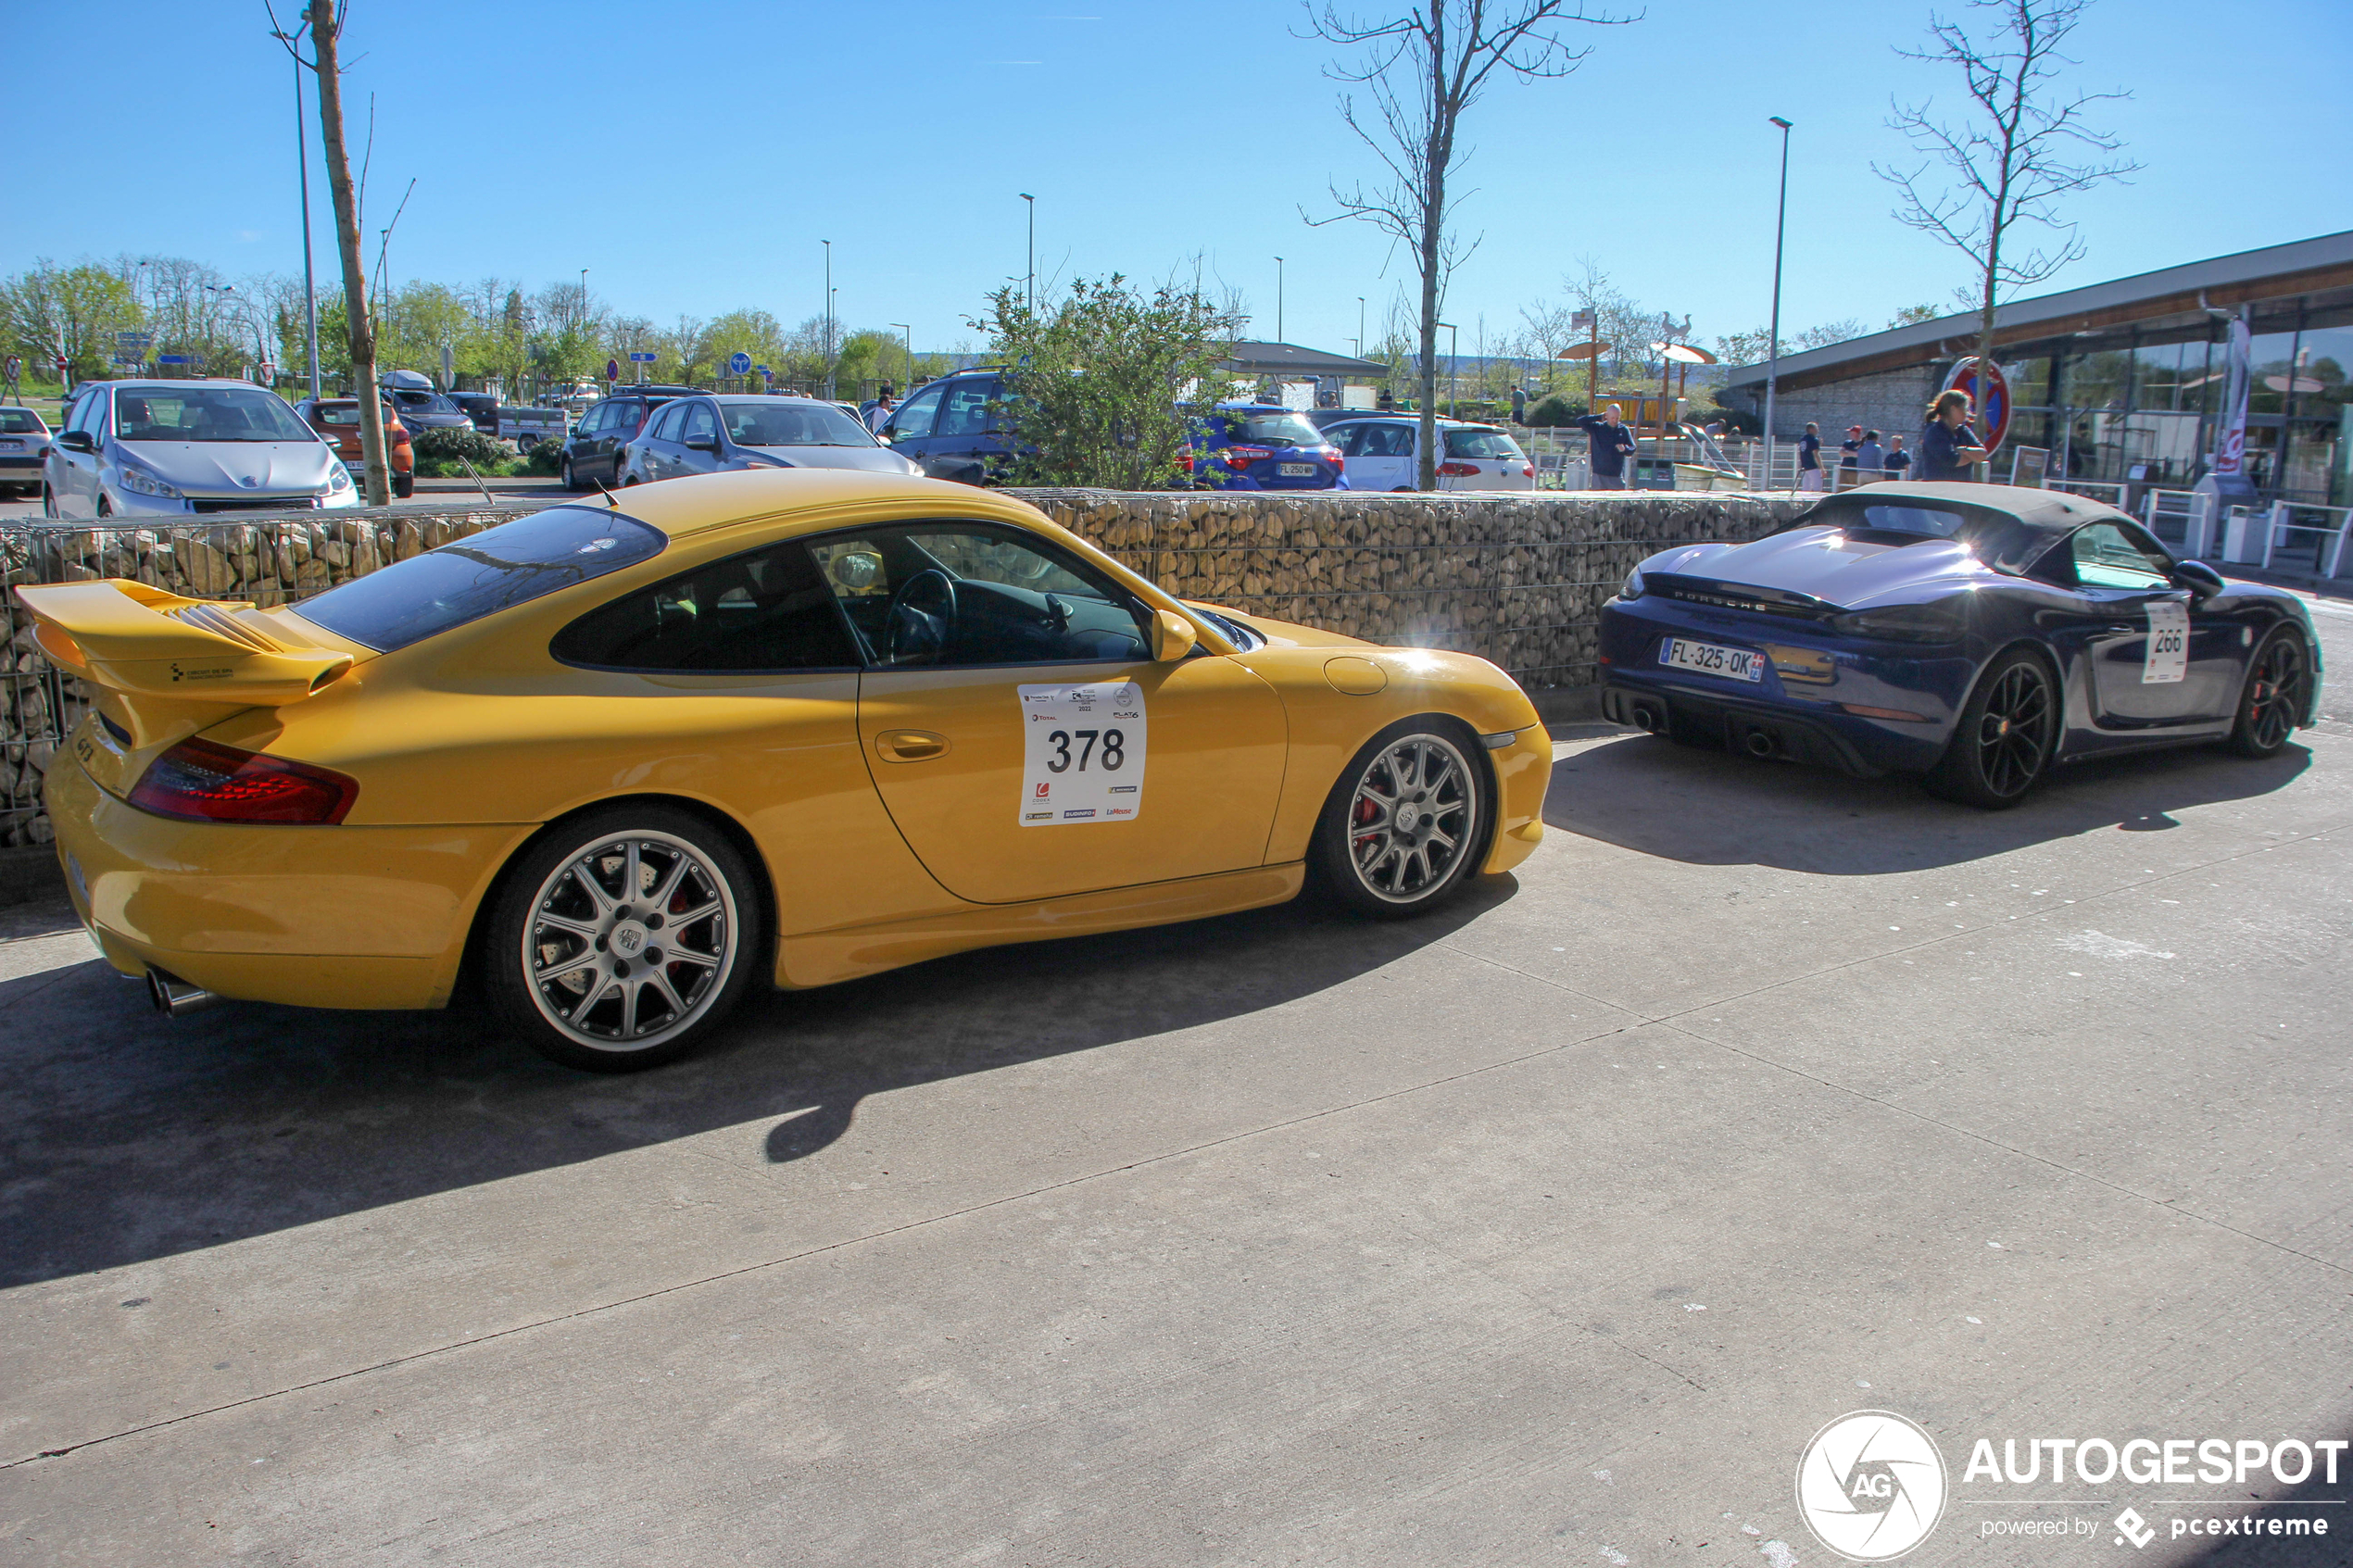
(1756, 741)
(173, 996)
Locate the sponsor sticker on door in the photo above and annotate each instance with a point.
(1083, 750)
(2169, 643)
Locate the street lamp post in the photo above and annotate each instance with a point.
(1278, 299)
(1360, 326)
(1031, 288)
(1773, 344)
(827, 338)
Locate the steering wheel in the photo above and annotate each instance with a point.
(913, 633)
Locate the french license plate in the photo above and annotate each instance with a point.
(11, 446)
(1296, 470)
(1707, 658)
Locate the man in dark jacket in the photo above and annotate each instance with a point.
(1612, 442)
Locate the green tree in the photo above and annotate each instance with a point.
(418, 320)
(76, 311)
(1912, 315)
(1098, 377)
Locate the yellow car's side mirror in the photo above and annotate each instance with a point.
(1172, 636)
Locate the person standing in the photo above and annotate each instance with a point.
(879, 415)
(1809, 457)
(1870, 460)
(1898, 463)
(1948, 446)
(1847, 459)
(1610, 446)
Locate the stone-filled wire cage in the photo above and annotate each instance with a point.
(1518, 579)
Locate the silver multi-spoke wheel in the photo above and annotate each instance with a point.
(1412, 818)
(630, 942)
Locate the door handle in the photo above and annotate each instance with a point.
(910, 745)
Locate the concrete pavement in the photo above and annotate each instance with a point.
(1549, 1230)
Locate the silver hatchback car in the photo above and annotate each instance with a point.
(709, 434)
(146, 448)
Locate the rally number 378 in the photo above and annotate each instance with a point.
(1083, 751)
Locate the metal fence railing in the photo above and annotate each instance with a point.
(2290, 530)
(2180, 517)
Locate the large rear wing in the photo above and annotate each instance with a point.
(143, 641)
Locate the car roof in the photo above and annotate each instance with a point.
(2054, 509)
(1442, 422)
(828, 497)
(159, 383)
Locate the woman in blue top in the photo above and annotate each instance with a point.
(1948, 446)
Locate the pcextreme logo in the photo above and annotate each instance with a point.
(1871, 1485)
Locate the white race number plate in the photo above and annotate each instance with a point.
(1295, 470)
(1707, 658)
(2169, 648)
(1082, 754)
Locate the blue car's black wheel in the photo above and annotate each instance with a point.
(2008, 732)
(2274, 701)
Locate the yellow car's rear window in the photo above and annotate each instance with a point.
(494, 570)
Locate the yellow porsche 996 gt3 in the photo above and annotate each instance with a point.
(823, 723)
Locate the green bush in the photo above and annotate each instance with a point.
(447, 444)
(546, 459)
(1554, 411)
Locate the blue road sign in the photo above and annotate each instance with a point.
(739, 361)
(171, 359)
(641, 358)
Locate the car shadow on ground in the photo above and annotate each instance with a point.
(130, 1136)
(1712, 807)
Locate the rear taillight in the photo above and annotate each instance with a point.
(1527, 470)
(1331, 456)
(1242, 457)
(201, 782)
(1457, 470)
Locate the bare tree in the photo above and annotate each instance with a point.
(1421, 70)
(325, 29)
(2021, 148)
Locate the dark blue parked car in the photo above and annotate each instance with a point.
(1972, 633)
(1256, 447)
(954, 428)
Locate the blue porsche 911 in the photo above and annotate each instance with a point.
(1975, 635)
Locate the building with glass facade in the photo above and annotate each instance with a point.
(2124, 381)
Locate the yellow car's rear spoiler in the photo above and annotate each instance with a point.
(143, 641)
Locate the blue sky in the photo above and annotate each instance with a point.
(693, 153)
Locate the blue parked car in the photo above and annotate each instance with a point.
(1256, 447)
(1975, 635)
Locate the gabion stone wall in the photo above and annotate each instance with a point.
(1518, 579)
